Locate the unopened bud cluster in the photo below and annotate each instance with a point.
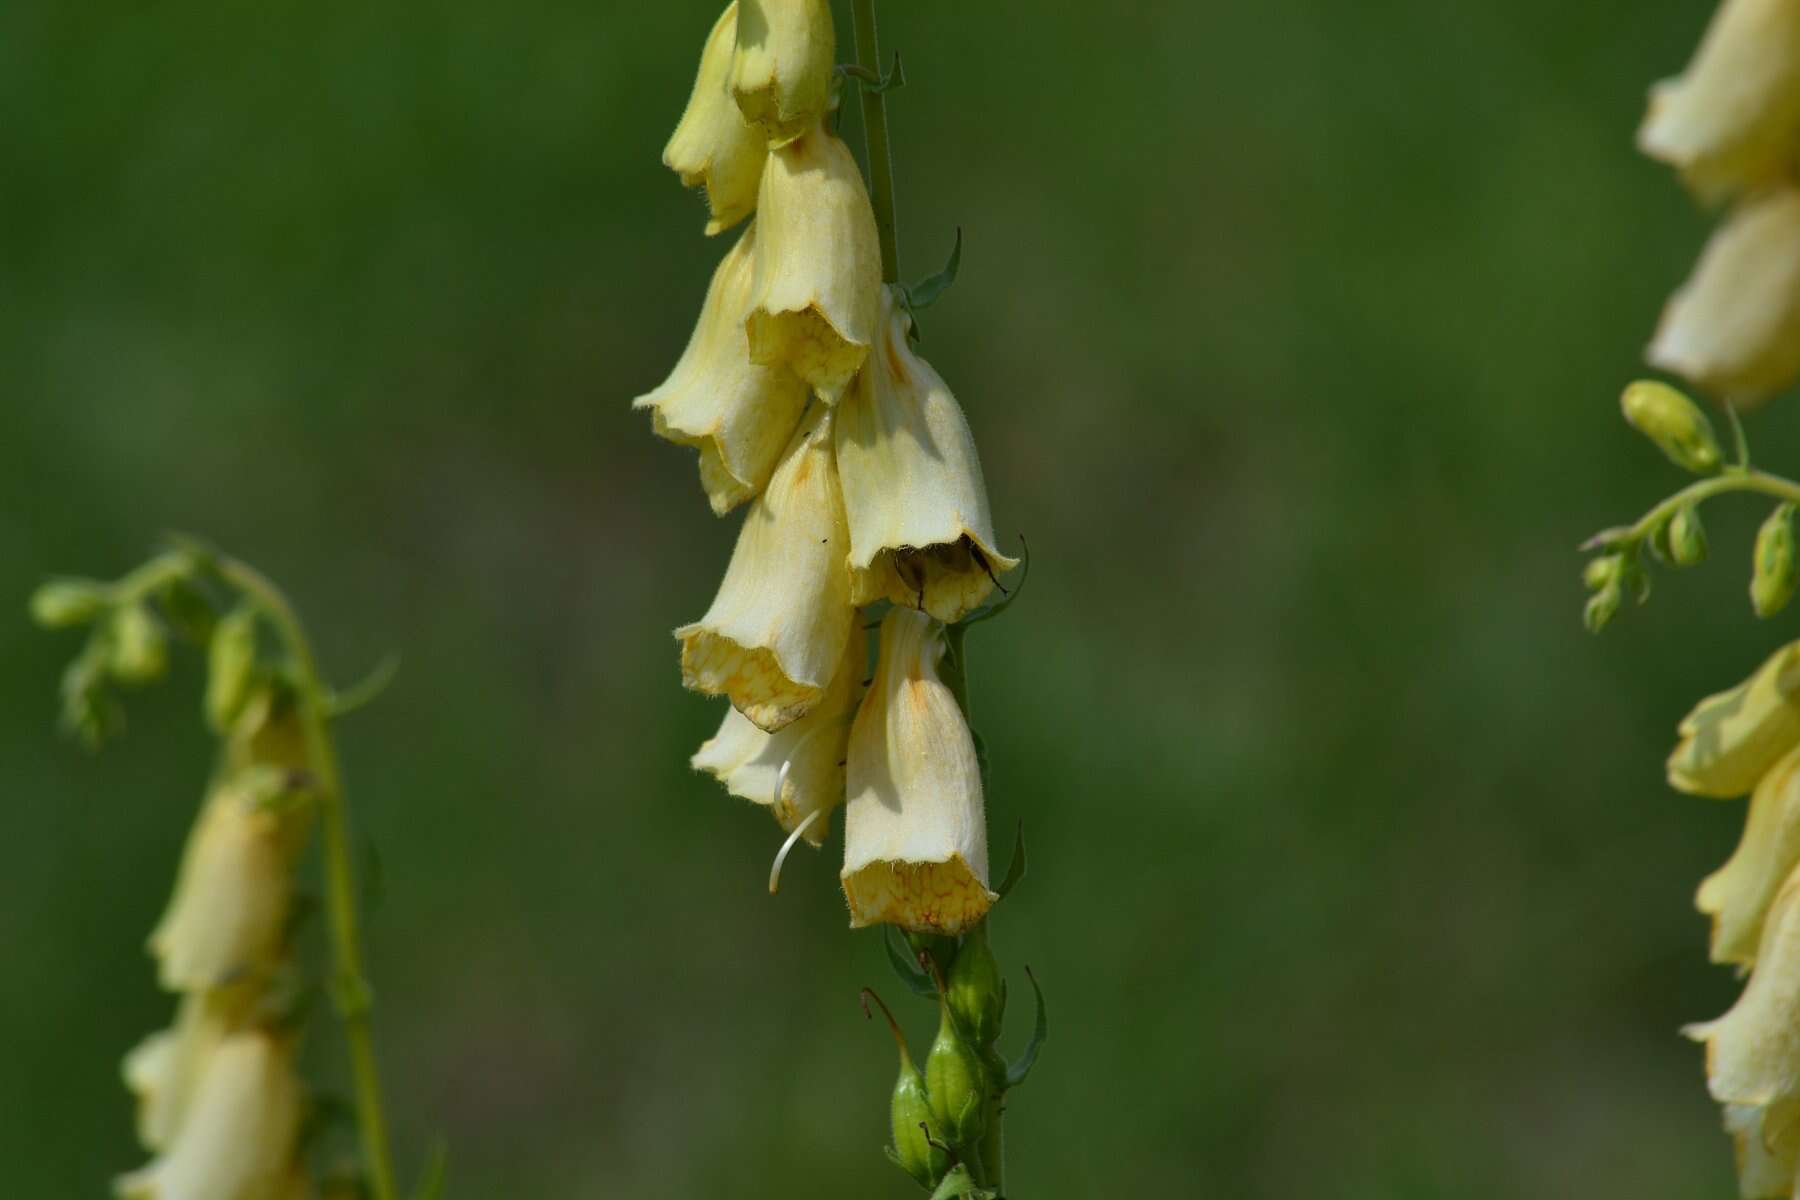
(1731, 125)
(801, 392)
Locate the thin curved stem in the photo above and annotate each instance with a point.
(1732, 479)
(875, 138)
(352, 988)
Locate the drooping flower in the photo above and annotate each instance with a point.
(781, 71)
(751, 763)
(1731, 739)
(164, 1068)
(915, 832)
(1732, 120)
(237, 1140)
(774, 634)
(1737, 896)
(1762, 1175)
(737, 414)
(1734, 326)
(712, 146)
(920, 532)
(1753, 1051)
(818, 265)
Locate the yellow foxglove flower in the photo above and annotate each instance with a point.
(1734, 326)
(915, 833)
(920, 533)
(237, 1142)
(1752, 1052)
(712, 146)
(162, 1070)
(781, 71)
(818, 265)
(1762, 1174)
(774, 635)
(737, 414)
(1731, 739)
(1732, 121)
(1738, 894)
(750, 763)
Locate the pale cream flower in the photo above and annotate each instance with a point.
(1738, 894)
(818, 265)
(1762, 1174)
(737, 414)
(775, 632)
(781, 71)
(804, 762)
(1732, 120)
(712, 146)
(920, 532)
(915, 833)
(162, 1070)
(237, 1141)
(1731, 739)
(1734, 326)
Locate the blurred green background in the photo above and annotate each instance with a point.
(1291, 333)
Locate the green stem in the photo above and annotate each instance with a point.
(352, 987)
(1732, 479)
(875, 137)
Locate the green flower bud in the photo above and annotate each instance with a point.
(140, 648)
(1601, 571)
(1602, 606)
(1687, 537)
(956, 1081)
(231, 666)
(1675, 423)
(64, 602)
(1772, 584)
(909, 1111)
(974, 988)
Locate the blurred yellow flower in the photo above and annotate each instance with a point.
(1731, 739)
(1734, 326)
(818, 265)
(1738, 894)
(781, 71)
(915, 833)
(737, 414)
(920, 532)
(1732, 121)
(1762, 1174)
(712, 146)
(162, 1070)
(774, 634)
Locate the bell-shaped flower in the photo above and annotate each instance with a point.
(238, 1138)
(712, 146)
(1731, 739)
(797, 773)
(1753, 1051)
(1732, 120)
(915, 833)
(737, 414)
(1737, 896)
(774, 635)
(818, 265)
(163, 1069)
(920, 533)
(781, 71)
(1734, 326)
(1762, 1174)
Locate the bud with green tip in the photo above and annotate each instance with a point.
(1687, 537)
(974, 988)
(956, 1080)
(140, 648)
(1675, 423)
(1602, 606)
(231, 667)
(1603, 570)
(1772, 584)
(65, 602)
(910, 1113)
